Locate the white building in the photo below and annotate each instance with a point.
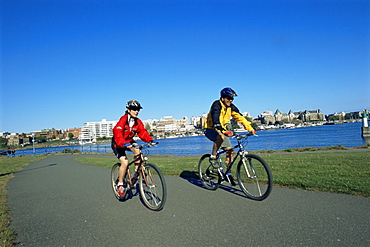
(151, 123)
(92, 130)
(170, 124)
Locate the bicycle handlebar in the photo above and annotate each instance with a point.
(145, 145)
(239, 137)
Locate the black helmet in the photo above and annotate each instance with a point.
(133, 105)
(228, 92)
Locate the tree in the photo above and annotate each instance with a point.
(254, 125)
(70, 136)
(40, 139)
(3, 142)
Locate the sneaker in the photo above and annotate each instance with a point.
(121, 190)
(214, 162)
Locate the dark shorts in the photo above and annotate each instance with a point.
(119, 152)
(212, 134)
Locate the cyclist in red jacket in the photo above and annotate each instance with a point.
(127, 127)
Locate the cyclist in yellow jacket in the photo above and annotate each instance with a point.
(215, 127)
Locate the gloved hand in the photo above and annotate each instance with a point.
(253, 132)
(127, 145)
(152, 142)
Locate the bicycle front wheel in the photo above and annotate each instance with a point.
(153, 189)
(208, 175)
(254, 177)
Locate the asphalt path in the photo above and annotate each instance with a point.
(60, 202)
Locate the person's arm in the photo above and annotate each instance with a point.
(215, 115)
(241, 119)
(143, 133)
(118, 132)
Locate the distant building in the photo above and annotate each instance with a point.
(93, 130)
(312, 116)
(50, 134)
(196, 122)
(170, 124)
(75, 132)
(269, 118)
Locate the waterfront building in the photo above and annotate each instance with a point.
(75, 132)
(312, 116)
(150, 124)
(196, 122)
(268, 117)
(170, 124)
(93, 130)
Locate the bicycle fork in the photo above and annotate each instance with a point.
(247, 169)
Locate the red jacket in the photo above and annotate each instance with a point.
(122, 133)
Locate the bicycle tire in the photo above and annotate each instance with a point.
(254, 177)
(153, 189)
(114, 182)
(208, 175)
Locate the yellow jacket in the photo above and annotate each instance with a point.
(220, 114)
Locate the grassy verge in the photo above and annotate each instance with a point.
(7, 167)
(337, 172)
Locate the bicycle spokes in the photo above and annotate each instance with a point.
(254, 177)
(208, 174)
(152, 187)
(151, 191)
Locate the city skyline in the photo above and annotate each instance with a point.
(161, 118)
(66, 62)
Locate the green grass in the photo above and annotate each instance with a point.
(7, 167)
(337, 172)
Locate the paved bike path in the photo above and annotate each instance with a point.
(60, 202)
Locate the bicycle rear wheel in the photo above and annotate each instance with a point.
(153, 189)
(254, 177)
(114, 181)
(208, 175)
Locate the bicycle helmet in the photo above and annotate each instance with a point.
(133, 105)
(228, 92)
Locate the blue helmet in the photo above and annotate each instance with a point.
(227, 92)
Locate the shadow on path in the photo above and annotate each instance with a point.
(193, 178)
(26, 170)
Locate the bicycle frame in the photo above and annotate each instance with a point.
(140, 168)
(238, 153)
(253, 173)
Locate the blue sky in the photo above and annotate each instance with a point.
(64, 63)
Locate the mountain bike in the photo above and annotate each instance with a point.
(253, 174)
(148, 177)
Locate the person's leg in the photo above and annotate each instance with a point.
(122, 170)
(136, 152)
(216, 137)
(229, 156)
(226, 145)
(217, 144)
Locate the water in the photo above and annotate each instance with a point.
(348, 135)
